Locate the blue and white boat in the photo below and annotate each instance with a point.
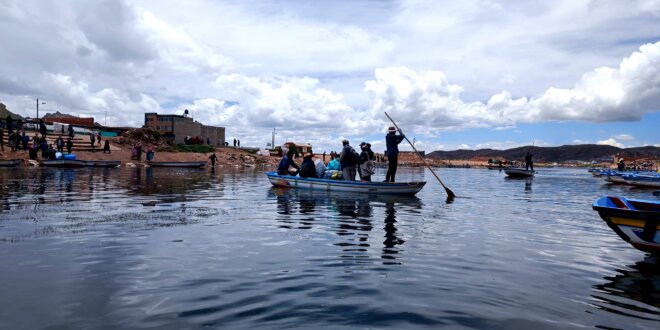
(635, 221)
(395, 188)
(642, 180)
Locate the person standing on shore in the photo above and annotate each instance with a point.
(2, 139)
(234, 143)
(60, 144)
(106, 147)
(392, 142)
(213, 158)
(71, 131)
(69, 145)
(92, 139)
(42, 128)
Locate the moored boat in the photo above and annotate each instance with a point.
(635, 221)
(102, 163)
(10, 162)
(176, 164)
(64, 163)
(641, 180)
(516, 172)
(76, 163)
(363, 187)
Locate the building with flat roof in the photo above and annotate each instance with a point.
(176, 128)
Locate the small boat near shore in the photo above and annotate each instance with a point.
(515, 172)
(76, 163)
(638, 180)
(10, 162)
(362, 187)
(635, 221)
(176, 164)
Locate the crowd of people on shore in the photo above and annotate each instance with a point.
(346, 165)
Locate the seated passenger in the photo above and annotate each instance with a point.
(320, 168)
(333, 164)
(285, 163)
(307, 168)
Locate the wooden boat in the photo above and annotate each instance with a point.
(176, 164)
(397, 188)
(71, 163)
(515, 172)
(102, 163)
(636, 221)
(64, 163)
(641, 180)
(10, 162)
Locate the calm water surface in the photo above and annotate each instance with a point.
(171, 249)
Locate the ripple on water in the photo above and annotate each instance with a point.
(135, 247)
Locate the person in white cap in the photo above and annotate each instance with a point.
(392, 142)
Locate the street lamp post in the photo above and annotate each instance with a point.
(38, 108)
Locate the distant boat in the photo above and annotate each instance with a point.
(176, 164)
(71, 163)
(641, 180)
(635, 221)
(10, 162)
(396, 188)
(516, 172)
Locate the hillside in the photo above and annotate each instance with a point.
(583, 152)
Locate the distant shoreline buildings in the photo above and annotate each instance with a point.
(175, 128)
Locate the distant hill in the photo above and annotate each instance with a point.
(4, 113)
(582, 152)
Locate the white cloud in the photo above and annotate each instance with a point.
(612, 142)
(624, 137)
(427, 98)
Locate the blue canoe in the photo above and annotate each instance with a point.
(396, 188)
(635, 221)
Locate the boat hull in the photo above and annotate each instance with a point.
(177, 164)
(360, 187)
(635, 221)
(652, 181)
(10, 162)
(518, 173)
(70, 163)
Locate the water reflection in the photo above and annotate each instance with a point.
(350, 216)
(633, 292)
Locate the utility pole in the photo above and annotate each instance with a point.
(272, 145)
(38, 107)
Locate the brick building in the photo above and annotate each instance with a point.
(176, 127)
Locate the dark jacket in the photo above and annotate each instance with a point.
(308, 169)
(348, 157)
(392, 142)
(285, 163)
(366, 155)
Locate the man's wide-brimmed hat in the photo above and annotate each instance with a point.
(362, 144)
(308, 154)
(391, 129)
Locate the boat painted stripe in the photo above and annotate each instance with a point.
(629, 222)
(347, 183)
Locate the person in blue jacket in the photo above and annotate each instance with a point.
(392, 142)
(285, 163)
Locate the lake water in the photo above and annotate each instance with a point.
(172, 249)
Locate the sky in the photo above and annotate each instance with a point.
(452, 74)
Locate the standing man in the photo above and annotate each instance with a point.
(348, 159)
(234, 142)
(59, 143)
(69, 145)
(42, 128)
(392, 142)
(528, 161)
(213, 158)
(92, 139)
(71, 131)
(238, 143)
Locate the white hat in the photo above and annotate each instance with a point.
(391, 129)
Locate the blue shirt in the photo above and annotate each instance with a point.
(284, 165)
(333, 165)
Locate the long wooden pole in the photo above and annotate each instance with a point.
(450, 194)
